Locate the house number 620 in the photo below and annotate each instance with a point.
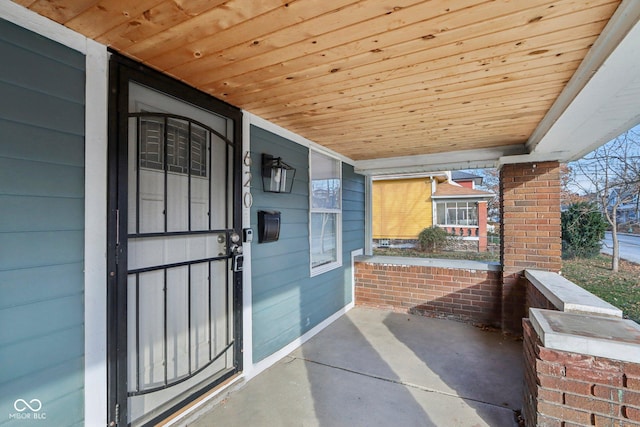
(247, 198)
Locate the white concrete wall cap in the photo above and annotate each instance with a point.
(459, 264)
(569, 297)
(608, 337)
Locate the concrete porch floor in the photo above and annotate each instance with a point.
(378, 368)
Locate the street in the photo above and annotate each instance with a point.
(629, 246)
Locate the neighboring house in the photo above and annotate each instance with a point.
(466, 179)
(628, 211)
(404, 205)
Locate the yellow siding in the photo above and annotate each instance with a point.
(401, 208)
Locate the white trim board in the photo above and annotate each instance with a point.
(601, 99)
(95, 300)
(95, 235)
(294, 137)
(354, 254)
(38, 24)
(293, 345)
(247, 285)
(425, 163)
(278, 355)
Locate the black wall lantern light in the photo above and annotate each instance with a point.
(277, 176)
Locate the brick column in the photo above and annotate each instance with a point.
(530, 233)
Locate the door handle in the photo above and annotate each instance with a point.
(235, 249)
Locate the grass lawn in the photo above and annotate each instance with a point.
(595, 275)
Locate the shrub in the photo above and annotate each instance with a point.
(583, 229)
(432, 239)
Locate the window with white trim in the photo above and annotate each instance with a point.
(181, 136)
(457, 213)
(325, 213)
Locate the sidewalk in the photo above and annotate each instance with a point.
(629, 245)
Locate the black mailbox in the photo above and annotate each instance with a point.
(268, 226)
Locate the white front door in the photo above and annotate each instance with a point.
(180, 244)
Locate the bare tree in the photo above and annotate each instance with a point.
(610, 175)
(491, 183)
(568, 193)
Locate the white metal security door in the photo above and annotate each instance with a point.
(180, 244)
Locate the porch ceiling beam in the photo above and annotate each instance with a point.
(452, 160)
(531, 158)
(602, 99)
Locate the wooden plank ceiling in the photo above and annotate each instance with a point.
(369, 79)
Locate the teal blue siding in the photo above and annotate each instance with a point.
(42, 86)
(287, 302)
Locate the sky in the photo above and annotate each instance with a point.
(582, 184)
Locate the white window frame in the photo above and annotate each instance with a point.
(446, 216)
(314, 271)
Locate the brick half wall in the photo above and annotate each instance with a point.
(571, 389)
(536, 299)
(465, 294)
